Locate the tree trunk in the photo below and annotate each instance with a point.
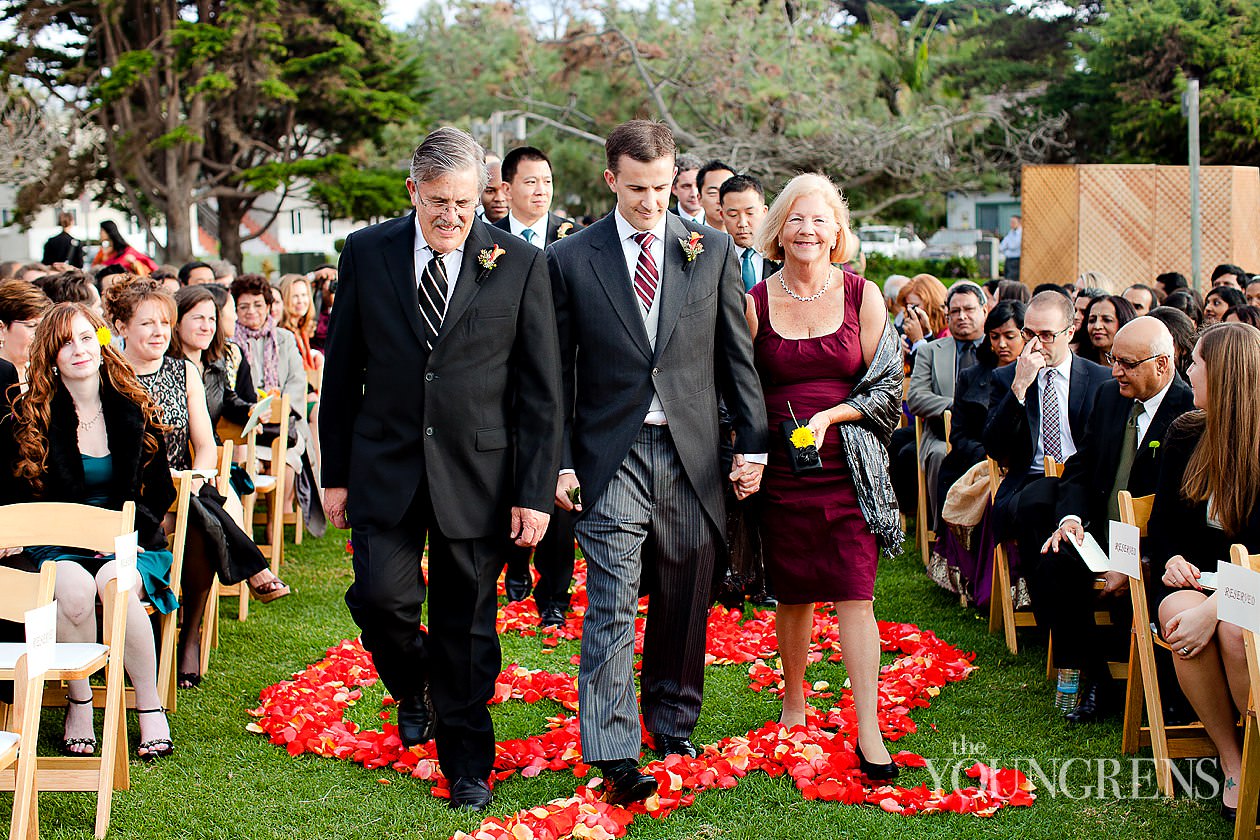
(231, 212)
(179, 231)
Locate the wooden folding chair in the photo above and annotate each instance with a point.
(1003, 617)
(92, 528)
(1166, 742)
(168, 624)
(21, 591)
(1245, 826)
(269, 484)
(925, 535)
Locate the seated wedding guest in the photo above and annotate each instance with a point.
(1252, 291)
(276, 365)
(73, 287)
(1186, 302)
(1119, 451)
(299, 317)
(1206, 500)
(892, 292)
(167, 278)
(87, 432)
(1218, 301)
(1244, 314)
(1013, 290)
(200, 336)
(1230, 276)
(822, 342)
(106, 276)
(114, 250)
(1171, 281)
(239, 377)
(1184, 335)
(1080, 333)
(21, 307)
(1068, 290)
(1103, 318)
(1041, 404)
(937, 366)
(195, 273)
(1142, 297)
(923, 301)
(962, 560)
(224, 272)
(31, 272)
(325, 285)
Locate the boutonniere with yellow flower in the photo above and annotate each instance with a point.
(104, 336)
(563, 230)
(489, 258)
(691, 246)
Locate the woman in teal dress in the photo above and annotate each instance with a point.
(87, 432)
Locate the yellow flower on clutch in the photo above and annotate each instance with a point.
(103, 336)
(803, 437)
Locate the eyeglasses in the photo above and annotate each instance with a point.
(1126, 364)
(965, 310)
(1045, 336)
(442, 206)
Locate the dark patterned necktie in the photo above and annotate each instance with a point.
(1128, 453)
(1050, 422)
(431, 296)
(646, 278)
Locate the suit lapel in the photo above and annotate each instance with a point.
(675, 278)
(400, 263)
(944, 362)
(471, 275)
(609, 264)
(1078, 394)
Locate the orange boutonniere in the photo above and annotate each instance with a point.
(692, 247)
(563, 230)
(489, 258)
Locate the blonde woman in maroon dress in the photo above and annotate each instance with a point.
(815, 330)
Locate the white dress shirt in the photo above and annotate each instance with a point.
(630, 250)
(1062, 387)
(539, 228)
(698, 218)
(453, 261)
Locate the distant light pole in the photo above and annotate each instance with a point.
(1190, 108)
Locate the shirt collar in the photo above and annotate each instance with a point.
(1064, 368)
(422, 245)
(1151, 406)
(518, 227)
(625, 230)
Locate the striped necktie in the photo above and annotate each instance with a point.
(646, 276)
(431, 296)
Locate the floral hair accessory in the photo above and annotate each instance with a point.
(489, 258)
(104, 336)
(563, 230)
(691, 246)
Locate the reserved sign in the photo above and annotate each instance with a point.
(41, 639)
(1126, 553)
(1238, 596)
(126, 550)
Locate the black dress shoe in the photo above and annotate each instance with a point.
(623, 783)
(877, 772)
(552, 616)
(1093, 704)
(416, 719)
(674, 745)
(517, 589)
(469, 794)
(765, 602)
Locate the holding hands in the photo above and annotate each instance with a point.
(746, 476)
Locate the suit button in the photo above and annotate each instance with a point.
(429, 377)
(656, 371)
(429, 431)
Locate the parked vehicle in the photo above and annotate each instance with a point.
(889, 241)
(953, 242)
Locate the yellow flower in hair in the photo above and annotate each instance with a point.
(104, 336)
(803, 437)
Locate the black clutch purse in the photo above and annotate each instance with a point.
(802, 450)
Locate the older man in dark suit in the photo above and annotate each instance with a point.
(1120, 451)
(650, 315)
(440, 418)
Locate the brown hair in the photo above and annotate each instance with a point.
(186, 299)
(1225, 464)
(32, 411)
(932, 293)
(305, 323)
(21, 301)
(125, 296)
(641, 140)
(252, 284)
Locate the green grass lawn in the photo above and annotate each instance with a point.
(223, 782)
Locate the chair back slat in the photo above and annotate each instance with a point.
(62, 523)
(21, 590)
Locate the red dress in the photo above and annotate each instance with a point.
(817, 544)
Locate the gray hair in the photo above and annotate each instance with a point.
(892, 286)
(448, 150)
(222, 268)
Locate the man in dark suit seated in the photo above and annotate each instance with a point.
(743, 203)
(1119, 451)
(1041, 405)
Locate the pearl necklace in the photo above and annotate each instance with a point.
(87, 426)
(814, 296)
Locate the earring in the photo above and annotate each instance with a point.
(55, 371)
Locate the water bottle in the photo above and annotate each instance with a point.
(1066, 697)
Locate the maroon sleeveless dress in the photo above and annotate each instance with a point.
(817, 544)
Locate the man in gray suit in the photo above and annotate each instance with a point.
(650, 313)
(936, 368)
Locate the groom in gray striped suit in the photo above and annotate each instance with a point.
(650, 311)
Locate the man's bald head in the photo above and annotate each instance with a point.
(1144, 352)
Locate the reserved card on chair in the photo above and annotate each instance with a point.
(41, 639)
(1238, 596)
(126, 549)
(1125, 554)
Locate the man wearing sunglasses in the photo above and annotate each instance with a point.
(1040, 407)
(1119, 451)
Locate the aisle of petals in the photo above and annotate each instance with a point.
(307, 714)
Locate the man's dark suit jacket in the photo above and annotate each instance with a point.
(610, 370)
(1090, 474)
(768, 268)
(64, 248)
(1010, 435)
(554, 223)
(478, 419)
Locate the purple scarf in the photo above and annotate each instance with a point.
(270, 365)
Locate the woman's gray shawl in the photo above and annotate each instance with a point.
(865, 443)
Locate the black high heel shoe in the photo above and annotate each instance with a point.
(68, 744)
(877, 772)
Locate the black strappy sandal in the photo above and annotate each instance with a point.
(68, 743)
(155, 747)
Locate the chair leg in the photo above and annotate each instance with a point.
(113, 766)
(1008, 603)
(1050, 674)
(1249, 796)
(1133, 695)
